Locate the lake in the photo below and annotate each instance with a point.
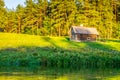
(41, 73)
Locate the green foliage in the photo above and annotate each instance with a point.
(56, 57)
(29, 50)
(55, 17)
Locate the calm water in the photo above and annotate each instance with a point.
(58, 74)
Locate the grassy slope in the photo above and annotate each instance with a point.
(16, 40)
(29, 50)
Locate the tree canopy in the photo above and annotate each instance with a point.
(55, 17)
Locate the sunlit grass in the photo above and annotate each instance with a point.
(16, 40)
(113, 78)
(115, 45)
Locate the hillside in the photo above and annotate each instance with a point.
(31, 50)
(11, 40)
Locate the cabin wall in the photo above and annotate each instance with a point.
(76, 36)
(73, 36)
(86, 37)
(82, 37)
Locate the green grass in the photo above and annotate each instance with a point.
(30, 50)
(10, 40)
(16, 40)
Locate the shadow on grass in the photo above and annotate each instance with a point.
(118, 41)
(70, 44)
(96, 45)
(48, 39)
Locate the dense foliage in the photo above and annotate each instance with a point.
(55, 17)
(56, 57)
(32, 50)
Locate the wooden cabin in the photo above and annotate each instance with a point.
(78, 33)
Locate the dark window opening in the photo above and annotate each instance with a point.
(88, 38)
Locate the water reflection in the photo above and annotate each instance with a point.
(58, 74)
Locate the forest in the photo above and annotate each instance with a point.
(55, 17)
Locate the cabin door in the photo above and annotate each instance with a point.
(81, 37)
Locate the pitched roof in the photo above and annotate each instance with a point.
(85, 30)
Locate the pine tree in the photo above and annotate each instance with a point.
(2, 15)
(20, 17)
(42, 17)
(62, 16)
(30, 18)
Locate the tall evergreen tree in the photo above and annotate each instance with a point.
(2, 15)
(42, 17)
(62, 16)
(20, 17)
(29, 17)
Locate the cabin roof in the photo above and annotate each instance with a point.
(85, 30)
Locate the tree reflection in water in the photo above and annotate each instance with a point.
(21, 73)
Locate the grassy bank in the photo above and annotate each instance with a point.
(29, 50)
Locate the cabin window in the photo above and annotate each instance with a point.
(88, 38)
